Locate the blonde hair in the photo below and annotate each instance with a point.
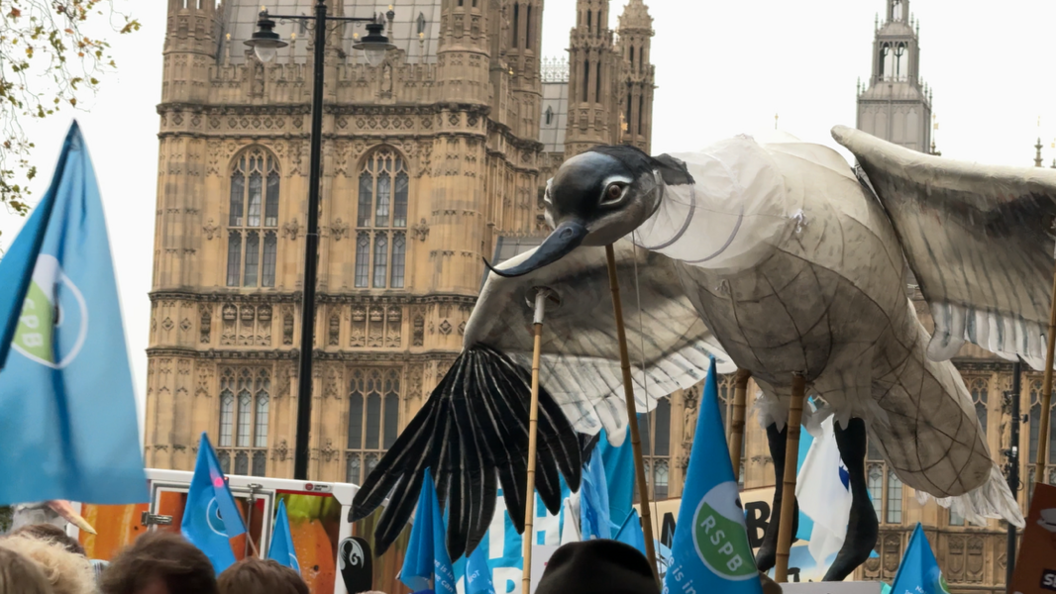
(21, 575)
(67, 572)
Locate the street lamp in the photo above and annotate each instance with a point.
(266, 43)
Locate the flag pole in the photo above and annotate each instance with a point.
(541, 295)
(740, 396)
(788, 488)
(1046, 396)
(632, 416)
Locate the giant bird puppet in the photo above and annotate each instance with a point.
(779, 258)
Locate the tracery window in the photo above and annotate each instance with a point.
(885, 488)
(978, 388)
(1035, 436)
(654, 429)
(373, 420)
(381, 221)
(727, 386)
(253, 220)
(245, 397)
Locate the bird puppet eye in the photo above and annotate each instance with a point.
(613, 192)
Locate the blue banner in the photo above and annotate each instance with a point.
(211, 517)
(68, 422)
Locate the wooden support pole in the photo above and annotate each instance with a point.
(1046, 397)
(533, 425)
(788, 488)
(632, 415)
(740, 396)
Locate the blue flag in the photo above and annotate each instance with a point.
(619, 474)
(919, 572)
(631, 532)
(68, 422)
(595, 521)
(427, 565)
(211, 517)
(711, 549)
(478, 573)
(281, 549)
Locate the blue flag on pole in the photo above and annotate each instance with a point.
(711, 549)
(619, 474)
(478, 573)
(595, 521)
(427, 566)
(281, 549)
(631, 532)
(211, 517)
(68, 422)
(919, 572)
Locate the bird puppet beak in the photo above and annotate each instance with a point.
(64, 509)
(565, 238)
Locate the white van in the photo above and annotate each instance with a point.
(335, 557)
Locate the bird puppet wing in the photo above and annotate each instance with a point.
(979, 240)
(472, 432)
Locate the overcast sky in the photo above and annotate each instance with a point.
(722, 68)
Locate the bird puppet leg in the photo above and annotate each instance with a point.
(767, 555)
(863, 528)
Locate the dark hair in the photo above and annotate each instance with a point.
(253, 575)
(159, 556)
(51, 533)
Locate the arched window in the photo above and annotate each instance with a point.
(586, 79)
(227, 410)
(253, 220)
(883, 67)
(894, 498)
(896, 10)
(384, 185)
(900, 51)
(516, 23)
(528, 28)
(978, 387)
(590, 17)
(597, 83)
(632, 56)
(641, 112)
(373, 419)
(245, 398)
(875, 485)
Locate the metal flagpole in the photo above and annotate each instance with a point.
(541, 295)
(788, 488)
(632, 416)
(1013, 469)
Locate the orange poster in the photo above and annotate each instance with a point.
(1035, 571)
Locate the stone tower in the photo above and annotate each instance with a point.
(637, 75)
(896, 104)
(432, 160)
(594, 80)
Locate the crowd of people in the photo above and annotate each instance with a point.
(42, 559)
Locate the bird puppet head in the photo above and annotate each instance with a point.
(598, 197)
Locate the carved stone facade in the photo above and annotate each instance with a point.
(428, 160)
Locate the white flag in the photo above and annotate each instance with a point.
(824, 494)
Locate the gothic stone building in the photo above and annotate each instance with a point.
(432, 161)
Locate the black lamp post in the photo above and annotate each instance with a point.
(265, 43)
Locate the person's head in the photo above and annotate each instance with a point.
(21, 575)
(66, 572)
(253, 575)
(51, 533)
(159, 563)
(598, 567)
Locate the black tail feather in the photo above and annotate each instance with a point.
(472, 434)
